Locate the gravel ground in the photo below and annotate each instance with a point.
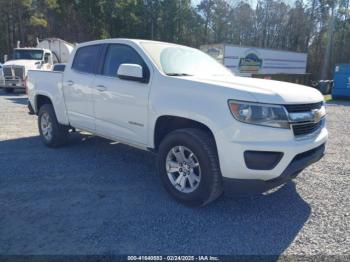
(99, 197)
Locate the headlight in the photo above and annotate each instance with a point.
(259, 114)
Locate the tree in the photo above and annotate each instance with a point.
(305, 25)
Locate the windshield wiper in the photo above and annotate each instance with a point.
(178, 74)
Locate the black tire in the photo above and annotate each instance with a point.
(9, 90)
(203, 146)
(59, 132)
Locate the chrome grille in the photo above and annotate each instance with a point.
(303, 107)
(305, 118)
(7, 71)
(19, 72)
(305, 129)
(13, 72)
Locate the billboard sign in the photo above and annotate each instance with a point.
(246, 61)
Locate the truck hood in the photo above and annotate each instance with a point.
(28, 64)
(266, 91)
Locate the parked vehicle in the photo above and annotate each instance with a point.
(325, 86)
(341, 82)
(42, 57)
(213, 132)
(59, 67)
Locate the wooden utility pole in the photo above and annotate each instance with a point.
(327, 54)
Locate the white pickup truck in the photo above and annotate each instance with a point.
(213, 131)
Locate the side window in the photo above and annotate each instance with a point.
(47, 58)
(58, 68)
(118, 54)
(86, 58)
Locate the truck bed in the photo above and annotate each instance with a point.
(46, 80)
(49, 84)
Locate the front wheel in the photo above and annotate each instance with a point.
(189, 168)
(52, 133)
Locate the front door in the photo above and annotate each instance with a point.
(121, 106)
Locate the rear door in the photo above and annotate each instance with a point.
(78, 86)
(121, 106)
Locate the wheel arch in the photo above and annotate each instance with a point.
(167, 123)
(42, 98)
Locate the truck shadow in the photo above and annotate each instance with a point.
(17, 97)
(18, 100)
(100, 197)
(17, 92)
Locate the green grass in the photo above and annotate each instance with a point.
(328, 98)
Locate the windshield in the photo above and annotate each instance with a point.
(183, 61)
(28, 54)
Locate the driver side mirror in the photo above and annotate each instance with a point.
(131, 72)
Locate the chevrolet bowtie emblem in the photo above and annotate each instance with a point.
(318, 114)
(311, 116)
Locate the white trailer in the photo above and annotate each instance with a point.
(248, 61)
(60, 49)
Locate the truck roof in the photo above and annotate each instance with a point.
(126, 40)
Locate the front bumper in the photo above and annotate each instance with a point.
(238, 138)
(12, 83)
(241, 187)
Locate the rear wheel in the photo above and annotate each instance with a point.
(9, 90)
(52, 133)
(189, 168)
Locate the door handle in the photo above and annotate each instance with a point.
(70, 83)
(101, 88)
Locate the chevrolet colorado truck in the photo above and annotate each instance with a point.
(213, 132)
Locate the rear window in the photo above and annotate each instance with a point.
(86, 58)
(59, 68)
